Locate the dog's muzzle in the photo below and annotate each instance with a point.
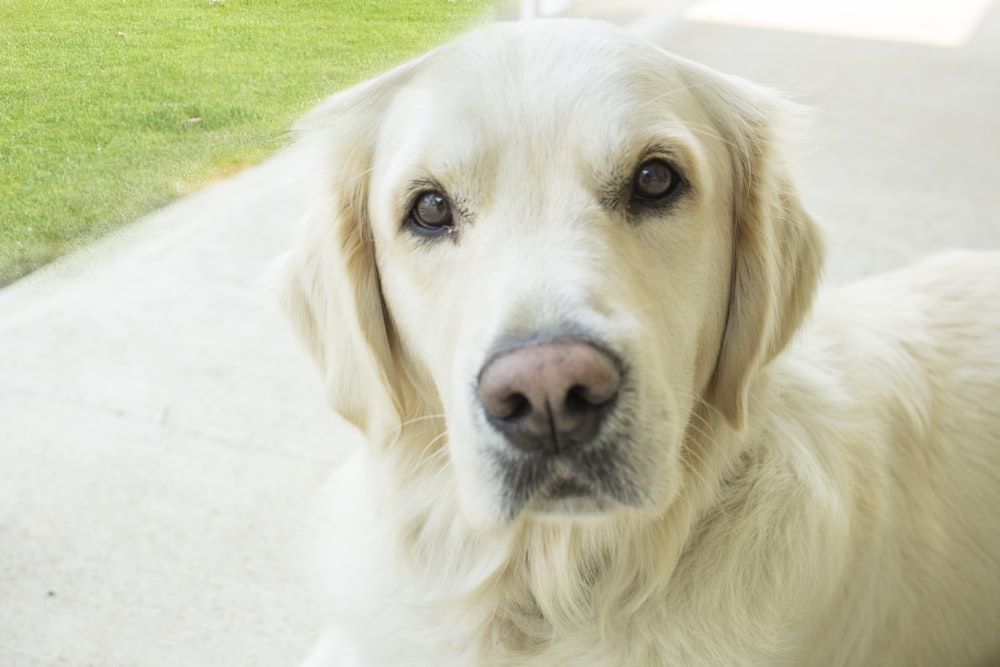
(552, 400)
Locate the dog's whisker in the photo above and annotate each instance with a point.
(423, 457)
(400, 427)
(422, 418)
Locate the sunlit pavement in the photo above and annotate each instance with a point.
(163, 438)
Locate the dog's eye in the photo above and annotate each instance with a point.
(654, 180)
(431, 212)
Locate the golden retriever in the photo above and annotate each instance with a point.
(562, 281)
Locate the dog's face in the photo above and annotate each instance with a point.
(560, 237)
(510, 207)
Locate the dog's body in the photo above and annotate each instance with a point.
(556, 294)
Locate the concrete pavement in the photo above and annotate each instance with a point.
(163, 437)
(161, 441)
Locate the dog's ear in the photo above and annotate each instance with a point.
(778, 251)
(331, 286)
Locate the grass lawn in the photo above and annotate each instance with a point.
(110, 108)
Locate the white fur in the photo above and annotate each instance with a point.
(826, 501)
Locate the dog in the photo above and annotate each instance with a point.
(563, 284)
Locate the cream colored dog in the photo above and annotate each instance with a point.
(558, 279)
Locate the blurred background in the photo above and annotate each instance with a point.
(163, 438)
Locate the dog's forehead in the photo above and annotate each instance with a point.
(509, 83)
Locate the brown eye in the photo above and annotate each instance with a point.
(654, 180)
(431, 212)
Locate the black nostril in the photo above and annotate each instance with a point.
(577, 401)
(515, 406)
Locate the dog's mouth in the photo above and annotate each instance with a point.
(567, 495)
(559, 486)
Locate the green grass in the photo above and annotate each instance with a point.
(111, 108)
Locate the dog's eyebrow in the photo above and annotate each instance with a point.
(418, 185)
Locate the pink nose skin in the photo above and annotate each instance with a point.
(549, 396)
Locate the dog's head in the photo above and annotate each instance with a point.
(567, 242)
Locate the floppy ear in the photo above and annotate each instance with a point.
(331, 286)
(778, 251)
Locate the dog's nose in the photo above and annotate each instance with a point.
(549, 396)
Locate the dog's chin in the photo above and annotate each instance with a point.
(574, 508)
(566, 493)
(568, 497)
